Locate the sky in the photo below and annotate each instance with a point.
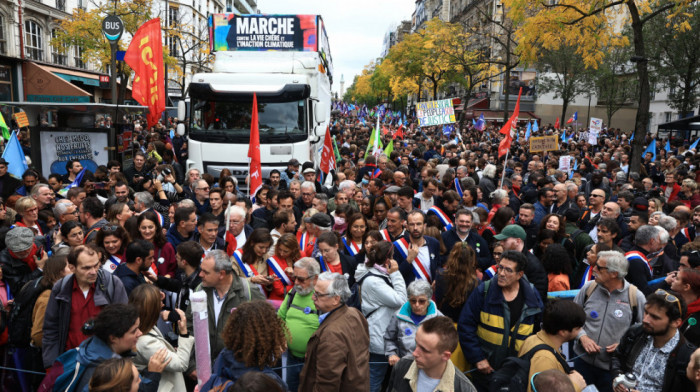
(355, 29)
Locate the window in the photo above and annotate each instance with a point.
(61, 5)
(81, 4)
(173, 46)
(33, 40)
(58, 52)
(669, 116)
(229, 5)
(79, 63)
(3, 40)
(173, 15)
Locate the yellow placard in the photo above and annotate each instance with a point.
(544, 143)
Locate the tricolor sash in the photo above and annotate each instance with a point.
(686, 233)
(112, 263)
(274, 264)
(161, 220)
(376, 173)
(385, 235)
(352, 248)
(324, 266)
(247, 270)
(302, 240)
(418, 266)
(492, 271)
(637, 255)
(587, 276)
(446, 222)
(458, 187)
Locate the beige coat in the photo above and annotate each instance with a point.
(171, 379)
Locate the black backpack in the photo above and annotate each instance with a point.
(355, 299)
(514, 375)
(20, 317)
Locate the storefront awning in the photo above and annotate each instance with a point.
(42, 85)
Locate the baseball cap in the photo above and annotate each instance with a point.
(19, 239)
(321, 220)
(640, 204)
(392, 189)
(309, 170)
(511, 231)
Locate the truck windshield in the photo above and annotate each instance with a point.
(218, 121)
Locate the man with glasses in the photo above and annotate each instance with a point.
(656, 352)
(590, 217)
(300, 315)
(201, 196)
(610, 310)
(337, 353)
(308, 191)
(493, 311)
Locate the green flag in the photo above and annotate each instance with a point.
(389, 148)
(375, 142)
(335, 151)
(5, 129)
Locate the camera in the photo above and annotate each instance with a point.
(167, 171)
(627, 380)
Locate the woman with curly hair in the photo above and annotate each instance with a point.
(254, 340)
(113, 239)
(557, 224)
(558, 270)
(285, 254)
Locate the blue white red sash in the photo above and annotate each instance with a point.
(492, 271)
(376, 173)
(324, 266)
(112, 263)
(385, 234)
(302, 240)
(458, 187)
(274, 264)
(161, 220)
(637, 255)
(418, 267)
(446, 222)
(352, 248)
(686, 233)
(587, 276)
(247, 270)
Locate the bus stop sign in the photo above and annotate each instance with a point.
(112, 28)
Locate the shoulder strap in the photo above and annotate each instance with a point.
(576, 234)
(246, 287)
(528, 356)
(589, 290)
(290, 297)
(384, 278)
(487, 284)
(633, 302)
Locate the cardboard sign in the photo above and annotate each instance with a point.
(435, 112)
(21, 119)
(544, 143)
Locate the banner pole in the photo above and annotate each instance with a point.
(505, 162)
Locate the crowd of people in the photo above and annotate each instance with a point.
(428, 269)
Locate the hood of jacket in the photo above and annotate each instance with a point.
(404, 314)
(94, 350)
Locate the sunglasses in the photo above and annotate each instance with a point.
(670, 298)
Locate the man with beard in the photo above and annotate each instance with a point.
(544, 203)
(513, 238)
(656, 352)
(526, 220)
(300, 315)
(462, 232)
(418, 255)
(637, 220)
(139, 257)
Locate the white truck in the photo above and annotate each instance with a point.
(286, 61)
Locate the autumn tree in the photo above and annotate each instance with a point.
(593, 26)
(188, 44)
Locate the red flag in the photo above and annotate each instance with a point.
(556, 124)
(399, 132)
(512, 123)
(384, 131)
(254, 151)
(145, 57)
(327, 156)
(504, 146)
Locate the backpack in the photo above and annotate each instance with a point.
(355, 299)
(290, 298)
(217, 383)
(20, 316)
(65, 374)
(632, 293)
(514, 375)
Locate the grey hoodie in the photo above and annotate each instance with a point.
(608, 316)
(376, 294)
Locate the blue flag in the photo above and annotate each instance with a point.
(473, 122)
(535, 127)
(668, 146)
(13, 154)
(632, 137)
(563, 136)
(528, 130)
(651, 149)
(694, 145)
(447, 130)
(481, 123)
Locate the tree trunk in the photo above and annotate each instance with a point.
(642, 118)
(564, 106)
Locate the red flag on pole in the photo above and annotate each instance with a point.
(399, 132)
(504, 146)
(145, 57)
(327, 156)
(556, 124)
(512, 123)
(255, 170)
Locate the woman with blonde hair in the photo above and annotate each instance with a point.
(118, 213)
(28, 210)
(148, 300)
(115, 375)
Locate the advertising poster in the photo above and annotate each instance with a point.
(58, 147)
(435, 112)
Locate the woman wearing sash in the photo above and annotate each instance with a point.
(114, 240)
(305, 240)
(250, 261)
(148, 228)
(280, 264)
(334, 261)
(354, 236)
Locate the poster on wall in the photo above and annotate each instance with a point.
(58, 147)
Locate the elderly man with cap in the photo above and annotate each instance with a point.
(512, 237)
(23, 259)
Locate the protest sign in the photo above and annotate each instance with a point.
(435, 112)
(59, 146)
(595, 126)
(565, 163)
(544, 143)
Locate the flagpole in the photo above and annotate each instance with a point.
(505, 162)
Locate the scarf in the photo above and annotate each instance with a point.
(29, 260)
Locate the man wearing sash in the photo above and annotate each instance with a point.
(395, 220)
(646, 242)
(445, 212)
(418, 255)
(462, 232)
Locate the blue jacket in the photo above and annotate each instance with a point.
(228, 368)
(405, 267)
(175, 238)
(477, 242)
(481, 324)
(540, 212)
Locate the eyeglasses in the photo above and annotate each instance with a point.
(599, 268)
(507, 270)
(420, 301)
(670, 298)
(302, 280)
(592, 195)
(204, 189)
(112, 228)
(320, 295)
